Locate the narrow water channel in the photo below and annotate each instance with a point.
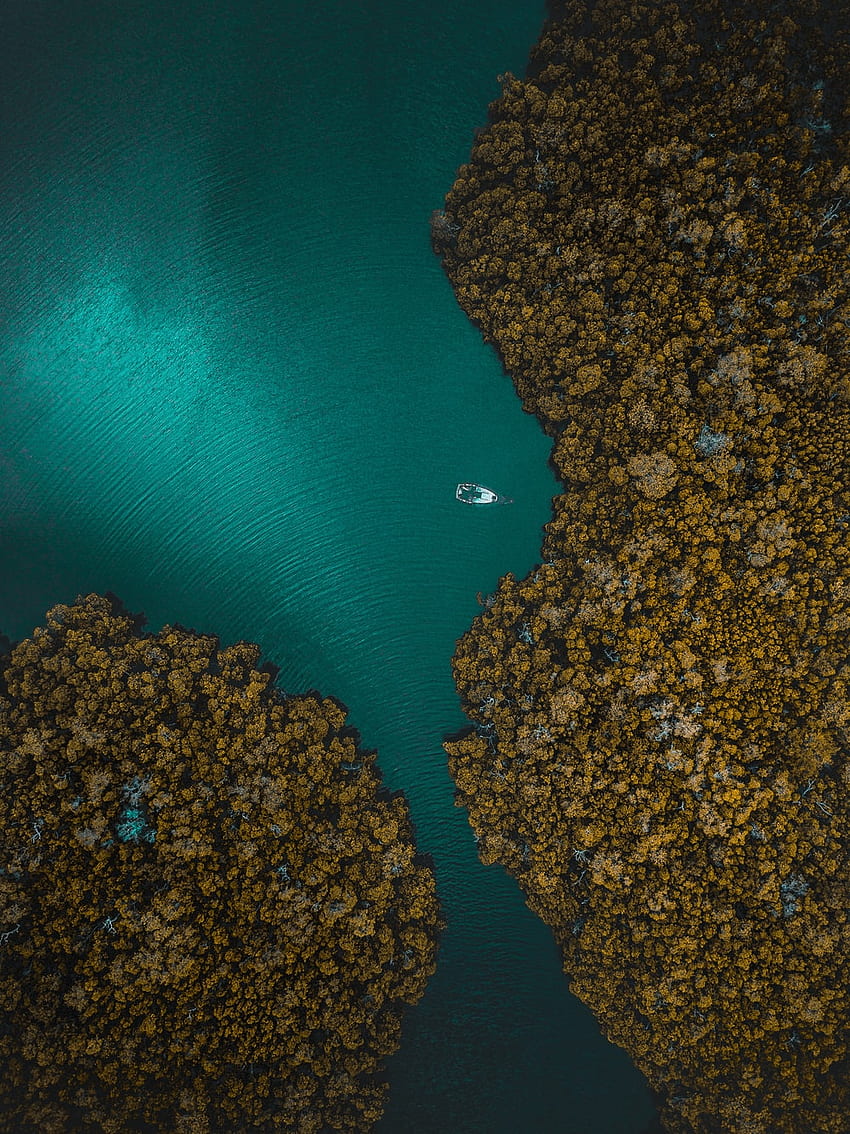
(237, 391)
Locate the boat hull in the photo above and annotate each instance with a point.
(478, 494)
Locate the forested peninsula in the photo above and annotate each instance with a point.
(211, 913)
(653, 231)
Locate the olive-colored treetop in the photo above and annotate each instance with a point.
(210, 915)
(654, 232)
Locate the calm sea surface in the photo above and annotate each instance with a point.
(237, 391)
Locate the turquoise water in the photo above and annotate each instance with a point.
(237, 391)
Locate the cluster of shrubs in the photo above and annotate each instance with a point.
(654, 232)
(211, 914)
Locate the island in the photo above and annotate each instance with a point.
(653, 230)
(211, 913)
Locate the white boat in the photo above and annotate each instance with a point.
(478, 494)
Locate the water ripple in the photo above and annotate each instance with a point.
(238, 392)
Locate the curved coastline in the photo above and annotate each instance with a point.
(651, 232)
(159, 969)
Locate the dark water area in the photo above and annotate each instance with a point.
(238, 392)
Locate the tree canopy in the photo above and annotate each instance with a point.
(211, 914)
(654, 232)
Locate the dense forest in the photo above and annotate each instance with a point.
(211, 913)
(653, 231)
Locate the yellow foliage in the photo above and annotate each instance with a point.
(197, 925)
(667, 771)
